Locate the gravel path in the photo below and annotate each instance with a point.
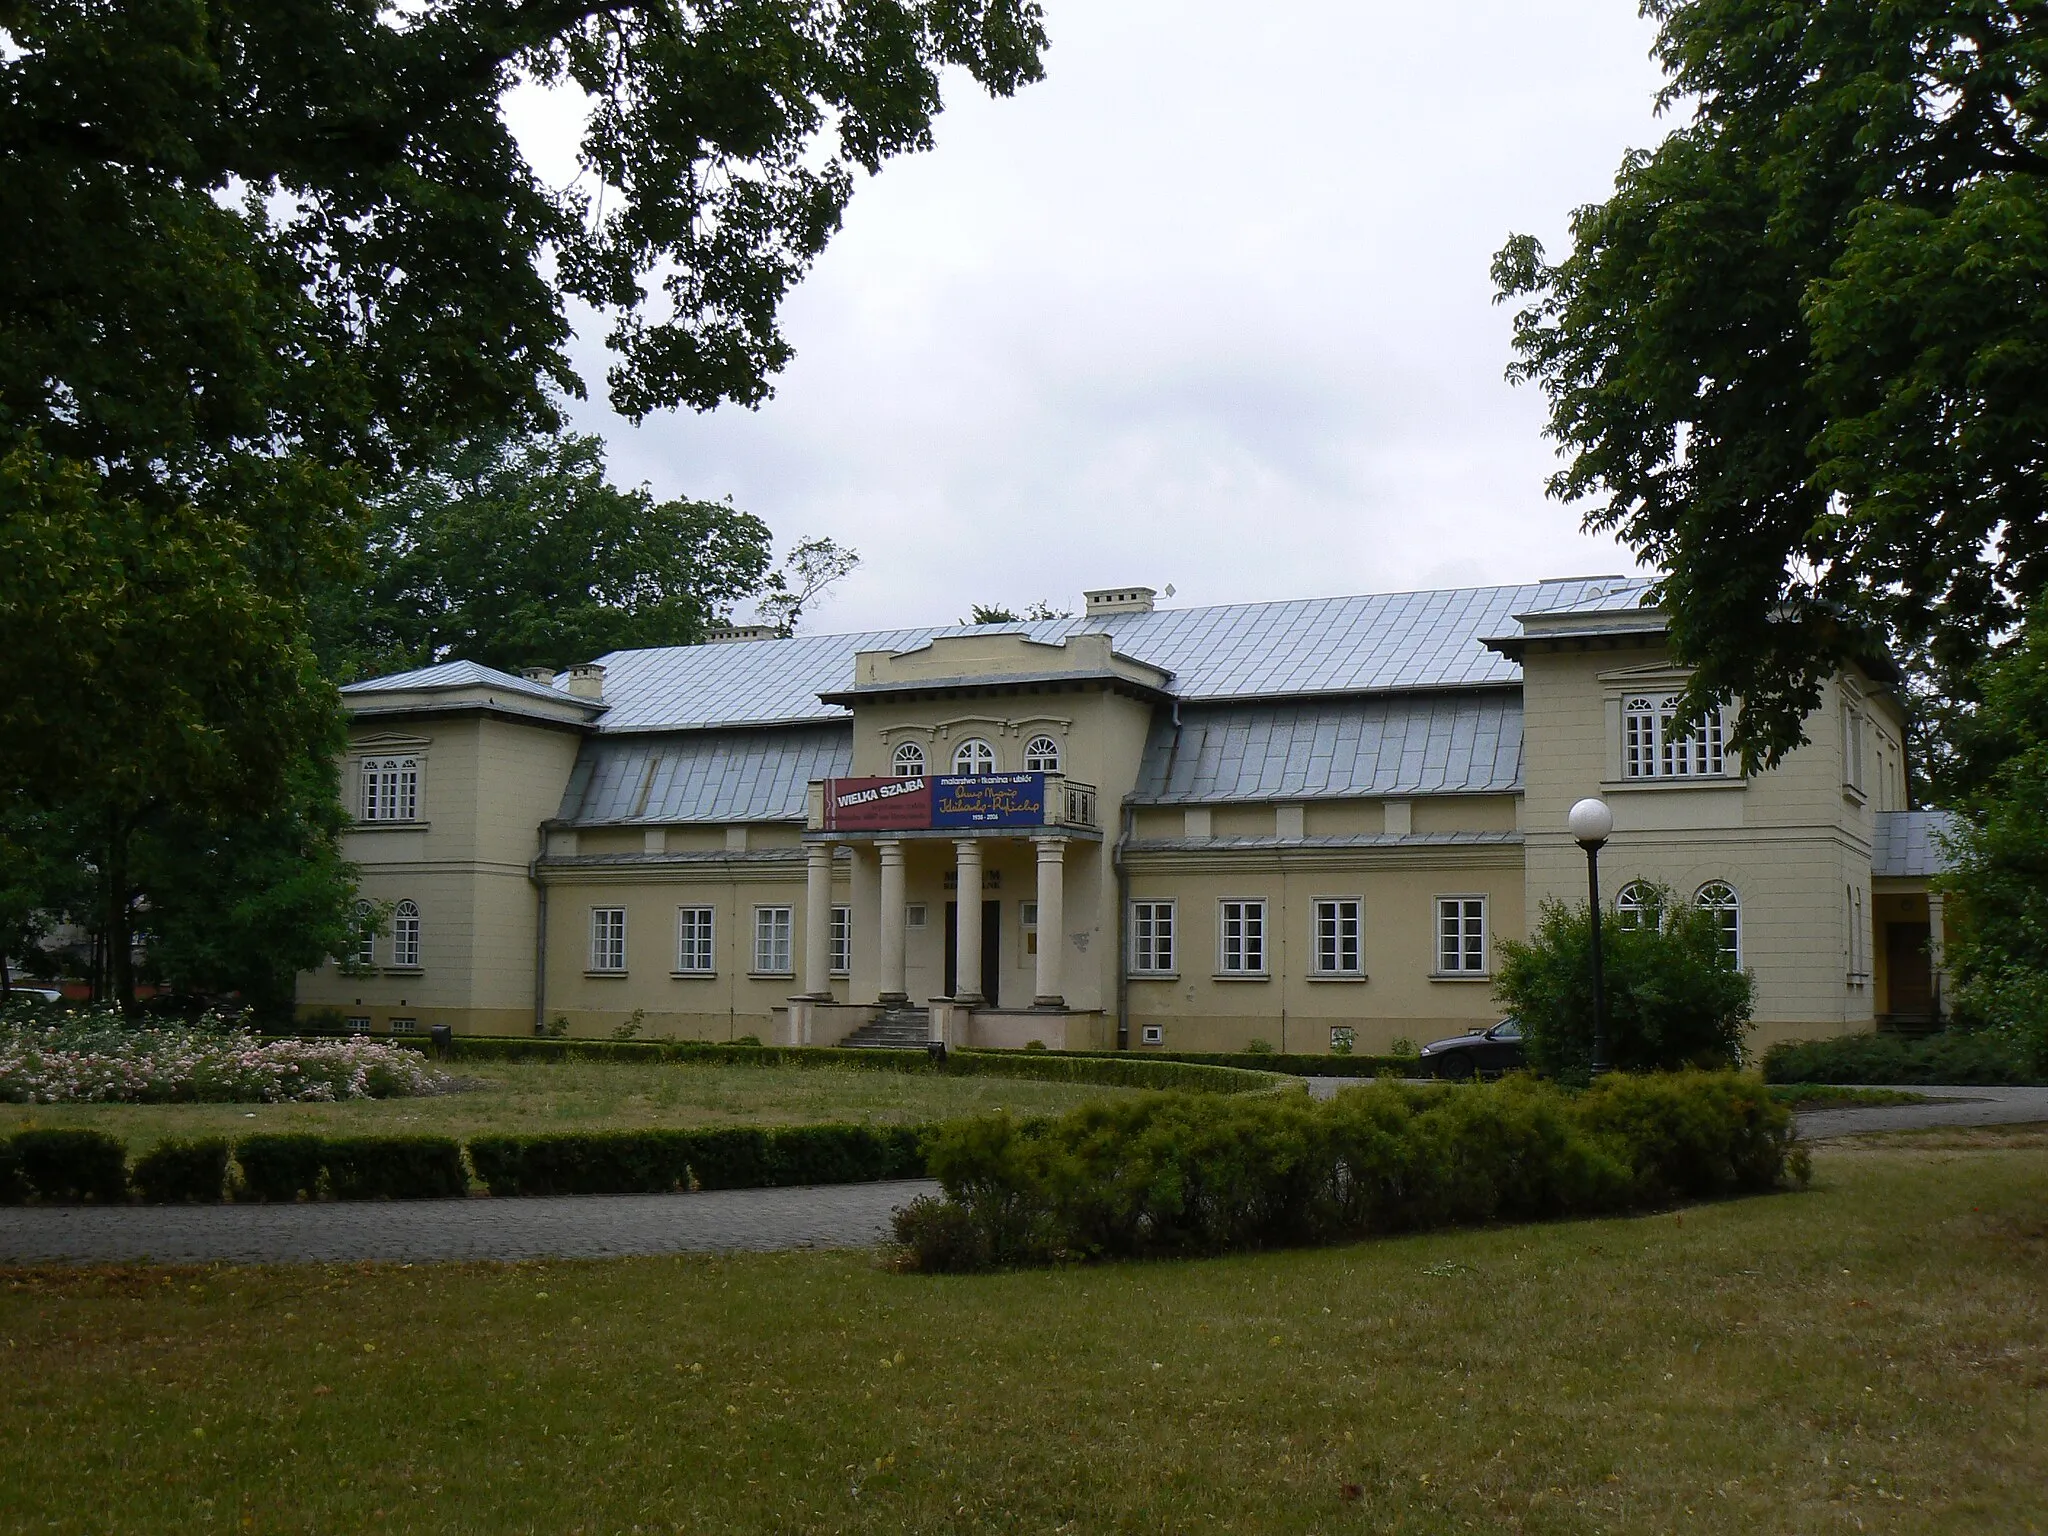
(567, 1226)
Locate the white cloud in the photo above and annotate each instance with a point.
(1209, 306)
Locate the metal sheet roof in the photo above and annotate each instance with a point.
(717, 776)
(459, 674)
(1412, 744)
(1331, 645)
(1908, 844)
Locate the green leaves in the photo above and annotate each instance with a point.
(1797, 359)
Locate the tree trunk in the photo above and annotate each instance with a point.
(120, 941)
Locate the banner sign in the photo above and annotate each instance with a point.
(878, 805)
(922, 804)
(989, 800)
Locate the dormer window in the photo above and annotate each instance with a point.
(974, 756)
(1041, 755)
(908, 762)
(1652, 749)
(390, 789)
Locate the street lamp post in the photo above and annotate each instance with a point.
(1591, 822)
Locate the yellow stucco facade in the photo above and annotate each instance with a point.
(1259, 841)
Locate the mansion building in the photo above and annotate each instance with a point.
(1305, 823)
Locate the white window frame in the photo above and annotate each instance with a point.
(366, 939)
(1455, 947)
(1042, 755)
(405, 1026)
(1329, 916)
(1858, 947)
(1853, 749)
(608, 941)
(356, 1024)
(915, 917)
(774, 936)
(974, 757)
(1241, 936)
(1632, 909)
(1649, 750)
(696, 941)
(907, 762)
(389, 788)
(1155, 933)
(405, 936)
(1027, 925)
(1722, 899)
(841, 959)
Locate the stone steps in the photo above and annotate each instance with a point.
(898, 1029)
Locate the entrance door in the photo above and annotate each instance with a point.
(991, 950)
(1909, 970)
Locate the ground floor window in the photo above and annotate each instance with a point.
(1241, 950)
(842, 940)
(1461, 935)
(366, 935)
(694, 929)
(1635, 906)
(1151, 937)
(357, 1024)
(1719, 898)
(405, 934)
(771, 940)
(608, 938)
(1340, 927)
(405, 1026)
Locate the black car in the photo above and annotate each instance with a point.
(1482, 1053)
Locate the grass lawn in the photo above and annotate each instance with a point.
(582, 1096)
(1869, 1356)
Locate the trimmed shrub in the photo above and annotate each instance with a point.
(393, 1167)
(64, 1167)
(280, 1168)
(732, 1157)
(13, 1187)
(584, 1163)
(1953, 1057)
(1186, 1174)
(183, 1172)
(845, 1154)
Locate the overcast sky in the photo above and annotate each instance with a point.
(1208, 306)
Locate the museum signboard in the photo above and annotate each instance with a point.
(966, 802)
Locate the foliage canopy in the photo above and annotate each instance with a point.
(1799, 359)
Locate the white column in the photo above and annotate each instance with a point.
(817, 977)
(1052, 920)
(891, 925)
(967, 924)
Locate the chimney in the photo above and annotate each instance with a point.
(733, 634)
(587, 682)
(1120, 600)
(542, 675)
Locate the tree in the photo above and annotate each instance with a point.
(807, 570)
(2000, 953)
(1675, 997)
(264, 256)
(518, 552)
(983, 613)
(1797, 359)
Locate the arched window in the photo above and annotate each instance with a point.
(974, 756)
(391, 789)
(909, 761)
(1635, 906)
(405, 934)
(366, 936)
(1719, 898)
(1042, 755)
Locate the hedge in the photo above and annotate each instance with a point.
(63, 1168)
(1952, 1057)
(1189, 1174)
(728, 1157)
(287, 1168)
(183, 1172)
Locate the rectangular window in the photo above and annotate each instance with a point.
(1461, 935)
(1652, 748)
(1858, 952)
(1151, 938)
(842, 940)
(1241, 946)
(1340, 923)
(693, 941)
(390, 789)
(608, 939)
(1027, 920)
(366, 946)
(771, 940)
(913, 915)
(1852, 749)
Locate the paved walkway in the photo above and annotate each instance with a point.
(565, 1226)
(1955, 1107)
